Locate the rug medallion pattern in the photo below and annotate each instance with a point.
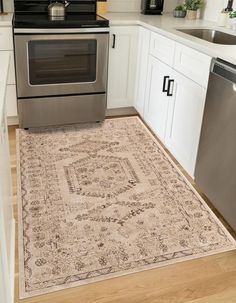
(103, 200)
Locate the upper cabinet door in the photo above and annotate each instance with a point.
(184, 121)
(156, 104)
(122, 66)
(142, 67)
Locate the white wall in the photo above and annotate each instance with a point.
(210, 12)
(123, 5)
(134, 5)
(213, 8)
(113, 5)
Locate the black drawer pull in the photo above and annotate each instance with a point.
(164, 89)
(114, 41)
(170, 94)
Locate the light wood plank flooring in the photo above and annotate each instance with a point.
(206, 280)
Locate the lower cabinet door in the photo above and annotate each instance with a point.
(6, 217)
(142, 67)
(122, 66)
(157, 101)
(11, 101)
(184, 121)
(11, 71)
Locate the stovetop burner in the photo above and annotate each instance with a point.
(71, 20)
(34, 14)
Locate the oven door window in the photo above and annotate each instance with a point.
(62, 61)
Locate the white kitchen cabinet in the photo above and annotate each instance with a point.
(156, 103)
(122, 66)
(5, 187)
(175, 97)
(184, 120)
(6, 40)
(7, 232)
(174, 108)
(142, 68)
(11, 72)
(7, 223)
(6, 46)
(11, 101)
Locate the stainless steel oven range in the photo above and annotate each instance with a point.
(61, 68)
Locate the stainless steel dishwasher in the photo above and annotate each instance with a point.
(215, 170)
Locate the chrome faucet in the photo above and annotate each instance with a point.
(230, 6)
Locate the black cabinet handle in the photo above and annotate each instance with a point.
(170, 82)
(164, 89)
(114, 41)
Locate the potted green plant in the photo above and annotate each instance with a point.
(192, 6)
(232, 16)
(179, 12)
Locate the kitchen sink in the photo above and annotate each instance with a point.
(210, 35)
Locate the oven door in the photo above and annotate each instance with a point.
(56, 63)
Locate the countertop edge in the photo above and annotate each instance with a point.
(226, 52)
(6, 20)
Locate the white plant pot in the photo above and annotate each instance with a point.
(232, 22)
(191, 15)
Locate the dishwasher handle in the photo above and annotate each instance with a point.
(224, 69)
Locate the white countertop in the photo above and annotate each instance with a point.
(167, 24)
(4, 62)
(6, 20)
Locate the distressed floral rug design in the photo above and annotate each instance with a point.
(103, 200)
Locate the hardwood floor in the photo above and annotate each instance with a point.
(206, 280)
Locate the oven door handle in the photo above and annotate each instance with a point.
(60, 30)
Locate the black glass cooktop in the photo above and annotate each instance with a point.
(69, 21)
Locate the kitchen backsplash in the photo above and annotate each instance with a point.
(213, 8)
(113, 5)
(8, 5)
(210, 12)
(134, 5)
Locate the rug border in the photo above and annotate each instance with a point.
(19, 215)
(233, 240)
(23, 294)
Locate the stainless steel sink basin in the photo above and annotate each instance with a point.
(211, 35)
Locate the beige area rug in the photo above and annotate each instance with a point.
(103, 200)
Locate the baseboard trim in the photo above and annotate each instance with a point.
(12, 120)
(123, 111)
(111, 112)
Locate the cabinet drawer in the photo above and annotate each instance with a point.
(162, 48)
(6, 42)
(11, 71)
(192, 64)
(11, 103)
